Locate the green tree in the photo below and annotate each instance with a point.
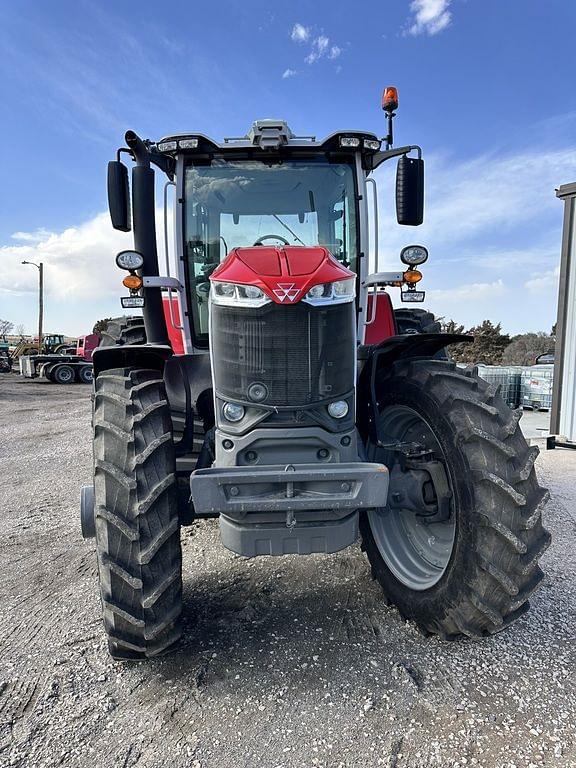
(488, 345)
(525, 348)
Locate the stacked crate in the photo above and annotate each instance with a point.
(508, 377)
(537, 381)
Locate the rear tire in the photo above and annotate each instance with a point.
(136, 510)
(416, 321)
(123, 330)
(85, 374)
(497, 503)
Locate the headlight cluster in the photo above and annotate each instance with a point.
(354, 142)
(329, 293)
(172, 145)
(233, 295)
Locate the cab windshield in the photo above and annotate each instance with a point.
(230, 204)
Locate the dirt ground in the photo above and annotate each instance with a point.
(285, 661)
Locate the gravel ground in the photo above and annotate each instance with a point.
(285, 662)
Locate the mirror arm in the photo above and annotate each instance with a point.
(380, 157)
(166, 163)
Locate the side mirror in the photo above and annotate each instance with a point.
(410, 191)
(119, 195)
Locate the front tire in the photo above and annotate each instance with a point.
(492, 566)
(136, 511)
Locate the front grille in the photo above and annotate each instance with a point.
(302, 354)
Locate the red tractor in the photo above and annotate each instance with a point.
(275, 388)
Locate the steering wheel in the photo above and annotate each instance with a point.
(267, 237)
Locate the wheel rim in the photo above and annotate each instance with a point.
(416, 552)
(65, 375)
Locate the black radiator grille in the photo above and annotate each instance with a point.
(303, 354)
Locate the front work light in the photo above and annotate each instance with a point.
(130, 260)
(167, 146)
(414, 255)
(349, 141)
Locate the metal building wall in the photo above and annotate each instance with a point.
(563, 416)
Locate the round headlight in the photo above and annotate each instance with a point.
(233, 412)
(316, 292)
(130, 260)
(251, 291)
(413, 255)
(224, 289)
(344, 287)
(257, 392)
(338, 409)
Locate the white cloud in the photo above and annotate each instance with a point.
(300, 33)
(31, 237)
(429, 16)
(321, 43)
(288, 73)
(319, 46)
(471, 292)
(543, 282)
(78, 262)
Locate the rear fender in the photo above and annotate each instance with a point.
(383, 355)
(151, 356)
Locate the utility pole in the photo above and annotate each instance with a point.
(40, 268)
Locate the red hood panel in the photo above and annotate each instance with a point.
(284, 274)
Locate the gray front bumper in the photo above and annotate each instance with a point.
(296, 509)
(236, 491)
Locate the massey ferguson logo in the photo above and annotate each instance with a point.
(286, 291)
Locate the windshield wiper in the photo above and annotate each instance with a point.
(288, 228)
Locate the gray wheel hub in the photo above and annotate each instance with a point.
(415, 541)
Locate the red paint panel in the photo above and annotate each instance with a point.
(263, 260)
(303, 261)
(384, 325)
(174, 335)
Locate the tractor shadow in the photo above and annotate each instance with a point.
(304, 621)
(320, 621)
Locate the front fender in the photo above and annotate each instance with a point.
(374, 358)
(131, 355)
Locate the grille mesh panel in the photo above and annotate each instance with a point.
(303, 354)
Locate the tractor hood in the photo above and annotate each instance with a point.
(285, 274)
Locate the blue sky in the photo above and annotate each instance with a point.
(486, 87)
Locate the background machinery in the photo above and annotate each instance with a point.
(74, 364)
